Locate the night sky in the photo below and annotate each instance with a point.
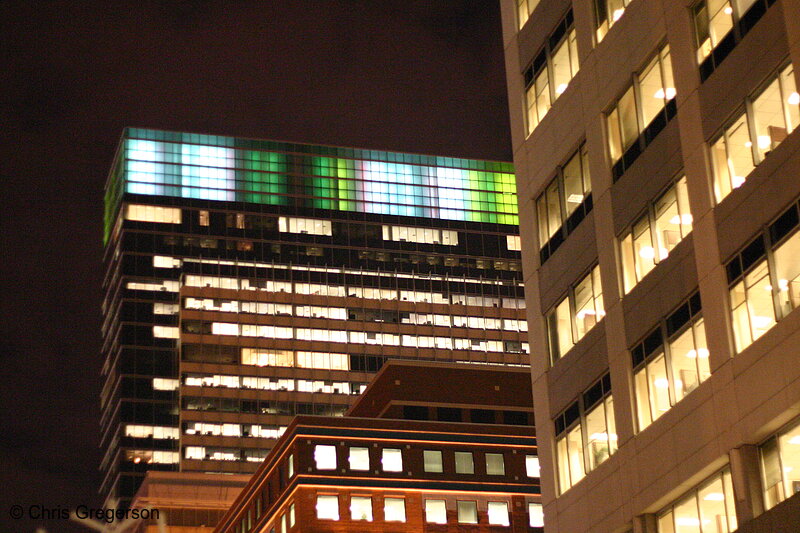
(417, 76)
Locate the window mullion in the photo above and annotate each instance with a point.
(773, 279)
(572, 311)
(637, 104)
(668, 364)
(651, 221)
(750, 119)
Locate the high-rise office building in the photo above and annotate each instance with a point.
(249, 281)
(657, 156)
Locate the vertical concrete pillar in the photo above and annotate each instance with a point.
(746, 477)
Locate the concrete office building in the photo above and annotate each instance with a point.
(250, 281)
(657, 155)
(427, 447)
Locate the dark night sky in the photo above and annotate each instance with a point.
(418, 76)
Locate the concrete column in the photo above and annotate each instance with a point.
(645, 523)
(747, 489)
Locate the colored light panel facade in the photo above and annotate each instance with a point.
(209, 167)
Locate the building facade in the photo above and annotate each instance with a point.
(250, 281)
(657, 153)
(413, 454)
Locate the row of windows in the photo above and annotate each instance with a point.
(212, 453)
(551, 71)
(764, 279)
(148, 457)
(273, 383)
(342, 291)
(339, 336)
(585, 433)
(576, 314)
(224, 354)
(706, 508)
(154, 432)
(262, 407)
(232, 430)
(392, 461)
(497, 512)
(768, 118)
(342, 313)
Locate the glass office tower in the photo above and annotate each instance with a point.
(248, 281)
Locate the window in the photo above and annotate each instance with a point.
(166, 332)
(713, 19)
(361, 508)
(576, 314)
(764, 279)
(498, 513)
(670, 362)
(311, 226)
(585, 434)
(435, 512)
(202, 217)
(551, 71)
(432, 460)
(359, 458)
(325, 457)
(710, 505)
(532, 468)
(495, 465)
(327, 507)
(535, 515)
(291, 515)
(290, 465)
(607, 12)
(652, 237)
(464, 463)
(780, 465)
(768, 119)
(524, 10)
(152, 213)
(719, 25)
(564, 203)
(394, 509)
(420, 235)
(392, 460)
(467, 512)
(513, 243)
(641, 113)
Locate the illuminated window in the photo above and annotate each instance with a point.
(325, 457)
(290, 466)
(435, 512)
(359, 458)
(764, 279)
(161, 261)
(310, 226)
(607, 12)
(153, 213)
(291, 515)
(467, 512)
(327, 507)
(564, 203)
(768, 119)
(585, 434)
(394, 509)
(392, 460)
(532, 468)
(551, 71)
(652, 237)
(165, 384)
(719, 26)
(432, 460)
(576, 314)
(524, 10)
(202, 217)
(420, 235)
(464, 463)
(641, 113)
(165, 332)
(495, 465)
(535, 515)
(670, 362)
(780, 465)
(710, 506)
(498, 513)
(513, 243)
(361, 508)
